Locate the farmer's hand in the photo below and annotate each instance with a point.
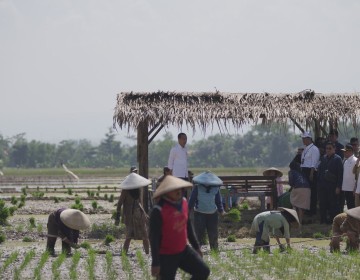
(155, 271)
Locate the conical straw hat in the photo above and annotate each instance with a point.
(354, 212)
(169, 184)
(74, 219)
(208, 179)
(134, 181)
(267, 171)
(292, 212)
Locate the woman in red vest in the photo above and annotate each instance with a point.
(170, 230)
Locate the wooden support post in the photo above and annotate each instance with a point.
(143, 159)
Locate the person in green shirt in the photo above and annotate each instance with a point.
(278, 222)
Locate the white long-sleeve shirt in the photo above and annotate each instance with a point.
(178, 161)
(310, 156)
(348, 183)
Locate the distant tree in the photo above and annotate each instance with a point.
(109, 152)
(159, 150)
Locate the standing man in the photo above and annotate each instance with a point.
(309, 161)
(330, 176)
(333, 137)
(349, 182)
(178, 158)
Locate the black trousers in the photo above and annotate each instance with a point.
(349, 197)
(188, 260)
(314, 193)
(328, 204)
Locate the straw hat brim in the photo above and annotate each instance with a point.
(75, 219)
(267, 171)
(208, 179)
(354, 212)
(134, 181)
(169, 184)
(292, 212)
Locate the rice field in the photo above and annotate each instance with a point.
(231, 263)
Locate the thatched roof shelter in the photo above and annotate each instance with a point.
(235, 109)
(150, 112)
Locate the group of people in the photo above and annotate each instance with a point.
(314, 176)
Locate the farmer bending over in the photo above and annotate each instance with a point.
(277, 221)
(65, 223)
(346, 224)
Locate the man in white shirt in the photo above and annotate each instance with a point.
(349, 181)
(178, 158)
(309, 161)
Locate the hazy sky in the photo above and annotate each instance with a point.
(63, 62)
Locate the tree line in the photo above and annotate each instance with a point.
(260, 146)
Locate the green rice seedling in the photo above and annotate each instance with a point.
(126, 266)
(111, 198)
(13, 200)
(94, 205)
(37, 194)
(115, 188)
(39, 228)
(106, 196)
(234, 215)
(46, 189)
(23, 190)
(28, 257)
(78, 206)
(23, 198)
(97, 194)
(43, 259)
(143, 265)
(92, 194)
(88, 193)
(37, 188)
(77, 200)
(106, 187)
(244, 205)
(21, 204)
(91, 264)
(19, 228)
(13, 256)
(110, 272)
(12, 210)
(2, 238)
(74, 263)
(108, 239)
(86, 245)
(231, 238)
(69, 191)
(32, 222)
(4, 212)
(56, 265)
(99, 188)
(56, 200)
(55, 189)
(28, 239)
(318, 235)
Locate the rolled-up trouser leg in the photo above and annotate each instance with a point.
(335, 244)
(66, 248)
(266, 246)
(353, 242)
(50, 245)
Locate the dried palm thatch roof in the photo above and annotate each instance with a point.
(237, 109)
